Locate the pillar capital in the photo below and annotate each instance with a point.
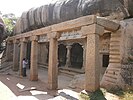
(92, 29)
(16, 41)
(69, 46)
(54, 35)
(9, 42)
(23, 40)
(34, 38)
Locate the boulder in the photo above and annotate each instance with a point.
(63, 10)
(2, 29)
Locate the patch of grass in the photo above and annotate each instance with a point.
(128, 95)
(97, 95)
(124, 95)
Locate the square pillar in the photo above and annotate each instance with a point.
(23, 50)
(53, 63)
(16, 56)
(34, 59)
(92, 68)
(8, 51)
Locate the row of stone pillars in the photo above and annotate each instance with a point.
(23, 49)
(92, 69)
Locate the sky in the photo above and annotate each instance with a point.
(18, 6)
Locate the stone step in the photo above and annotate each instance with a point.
(108, 82)
(114, 56)
(71, 74)
(114, 61)
(114, 42)
(114, 53)
(111, 80)
(115, 35)
(112, 72)
(115, 49)
(115, 46)
(116, 39)
(114, 69)
(80, 71)
(111, 76)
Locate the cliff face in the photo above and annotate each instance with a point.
(63, 10)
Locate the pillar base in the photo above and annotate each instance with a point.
(52, 86)
(34, 78)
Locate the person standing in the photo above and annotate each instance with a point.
(24, 67)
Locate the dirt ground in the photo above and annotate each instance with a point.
(14, 87)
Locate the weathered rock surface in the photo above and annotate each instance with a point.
(119, 73)
(1, 29)
(63, 10)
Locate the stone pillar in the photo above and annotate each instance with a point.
(23, 50)
(34, 59)
(84, 57)
(8, 51)
(16, 56)
(68, 62)
(92, 69)
(53, 62)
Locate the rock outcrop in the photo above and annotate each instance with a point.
(119, 73)
(1, 30)
(63, 10)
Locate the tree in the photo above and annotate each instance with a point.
(10, 21)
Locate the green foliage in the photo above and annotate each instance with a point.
(128, 95)
(124, 95)
(10, 21)
(100, 94)
(97, 95)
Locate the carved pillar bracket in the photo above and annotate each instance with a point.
(92, 69)
(34, 59)
(68, 62)
(23, 49)
(16, 55)
(94, 28)
(53, 62)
